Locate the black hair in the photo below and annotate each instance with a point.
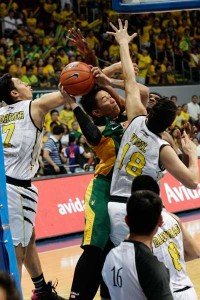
(143, 212)
(145, 182)
(53, 111)
(155, 93)
(53, 123)
(88, 101)
(161, 115)
(72, 137)
(173, 96)
(8, 285)
(58, 129)
(6, 87)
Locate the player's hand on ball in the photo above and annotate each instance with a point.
(121, 35)
(100, 78)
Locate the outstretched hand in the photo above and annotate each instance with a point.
(121, 35)
(187, 145)
(78, 39)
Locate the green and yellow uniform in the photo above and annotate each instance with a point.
(97, 222)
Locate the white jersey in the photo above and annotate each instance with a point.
(131, 272)
(21, 140)
(168, 247)
(138, 155)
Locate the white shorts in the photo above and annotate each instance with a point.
(22, 206)
(189, 294)
(118, 228)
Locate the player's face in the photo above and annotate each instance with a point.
(153, 99)
(107, 105)
(24, 89)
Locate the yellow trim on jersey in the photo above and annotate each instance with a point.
(106, 152)
(89, 216)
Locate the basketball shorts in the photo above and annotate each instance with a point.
(118, 228)
(189, 294)
(22, 206)
(97, 222)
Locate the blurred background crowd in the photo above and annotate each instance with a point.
(33, 47)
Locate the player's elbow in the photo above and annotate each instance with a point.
(192, 184)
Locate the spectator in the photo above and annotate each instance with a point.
(184, 112)
(29, 77)
(9, 24)
(92, 41)
(76, 129)
(169, 75)
(63, 56)
(15, 69)
(65, 137)
(179, 120)
(55, 79)
(194, 110)
(48, 68)
(67, 115)
(43, 81)
(174, 99)
(50, 117)
(52, 155)
(2, 59)
(85, 162)
(144, 61)
(75, 153)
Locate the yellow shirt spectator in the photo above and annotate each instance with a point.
(92, 40)
(143, 63)
(67, 116)
(114, 50)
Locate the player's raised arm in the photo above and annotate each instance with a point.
(78, 39)
(134, 107)
(188, 176)
(42, 105)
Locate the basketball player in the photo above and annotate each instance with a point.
(172, 244)
(131, 271)
(21, 124)
(142, 150)
(106, 108)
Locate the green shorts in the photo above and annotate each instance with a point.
(97, 222)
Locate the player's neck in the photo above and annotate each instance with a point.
(147, 240)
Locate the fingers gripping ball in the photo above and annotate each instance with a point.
(77, 78)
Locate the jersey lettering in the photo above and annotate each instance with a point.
(8, 129)
(136, 163)
(175, 256)
(117, 279)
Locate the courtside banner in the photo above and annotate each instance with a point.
(177, 197)
(61, 202)
(61, 205)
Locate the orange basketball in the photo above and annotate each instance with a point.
(77, 78)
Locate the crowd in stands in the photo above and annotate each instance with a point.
(33, 43)
(34, 48)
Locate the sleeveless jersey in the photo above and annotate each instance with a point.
(107, 149)
(21, 140)
(168, 247)
(138, 155)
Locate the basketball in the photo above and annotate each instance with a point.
(77, 78)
